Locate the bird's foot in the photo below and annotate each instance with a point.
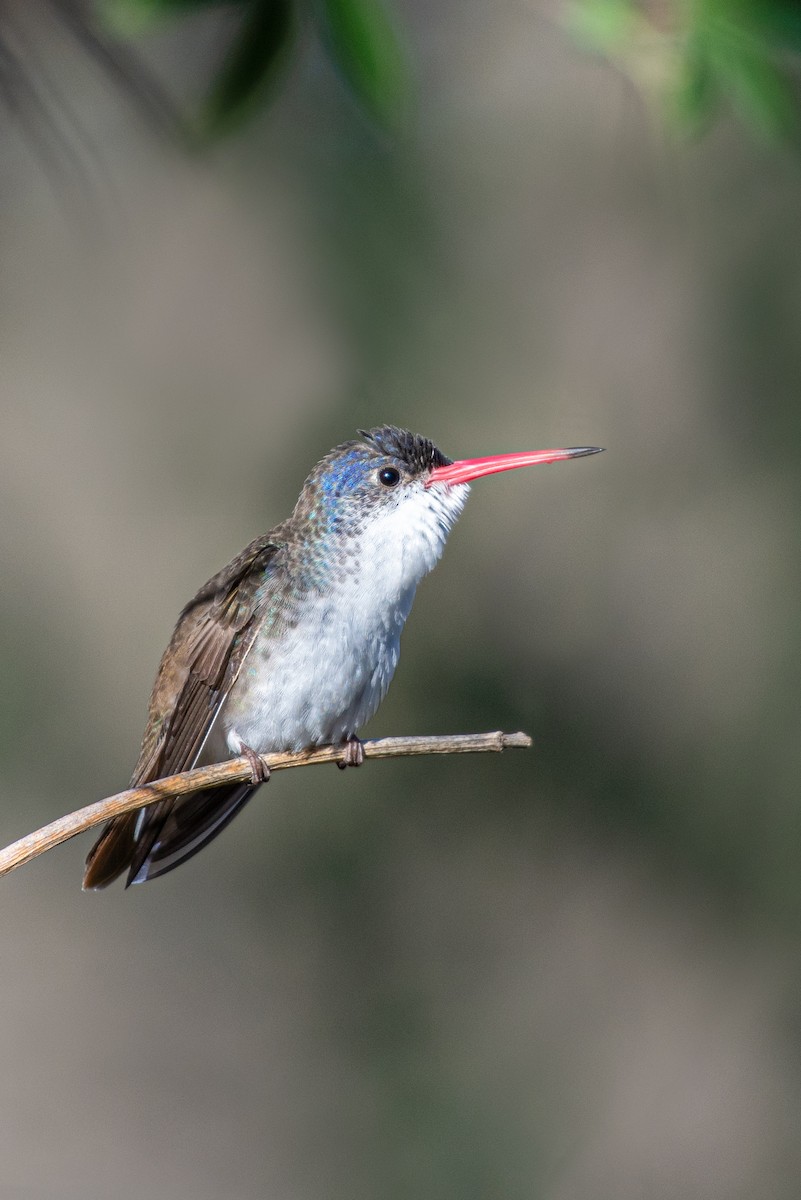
(259, 771)
(352, 753)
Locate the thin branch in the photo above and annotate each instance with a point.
(237, 770)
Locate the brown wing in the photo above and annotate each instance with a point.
(213, 635)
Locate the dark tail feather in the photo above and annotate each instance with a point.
(169, 833)
(189, 825)
(111, 853)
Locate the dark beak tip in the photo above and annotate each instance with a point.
(583, 451)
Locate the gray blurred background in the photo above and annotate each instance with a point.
(566, 974)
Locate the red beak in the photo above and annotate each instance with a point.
(472, 468)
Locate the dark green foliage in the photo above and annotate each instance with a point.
(696, 56)
(360, 36)
(365, 47)
(251, 64)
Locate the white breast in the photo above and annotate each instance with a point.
(323, 679)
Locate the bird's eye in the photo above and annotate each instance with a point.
(389, 476)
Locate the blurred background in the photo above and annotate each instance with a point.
(571, 973)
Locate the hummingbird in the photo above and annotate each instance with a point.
(295, 642)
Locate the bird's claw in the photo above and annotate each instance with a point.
(259, 771)
(352, 754)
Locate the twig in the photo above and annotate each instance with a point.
(236, 770)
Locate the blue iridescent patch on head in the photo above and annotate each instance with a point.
(345, 475)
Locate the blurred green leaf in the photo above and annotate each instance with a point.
(780, 21)
(699, 52)
(753, 77)
(604, 25)
(697, 92)
(365, 45)
(250, 65)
